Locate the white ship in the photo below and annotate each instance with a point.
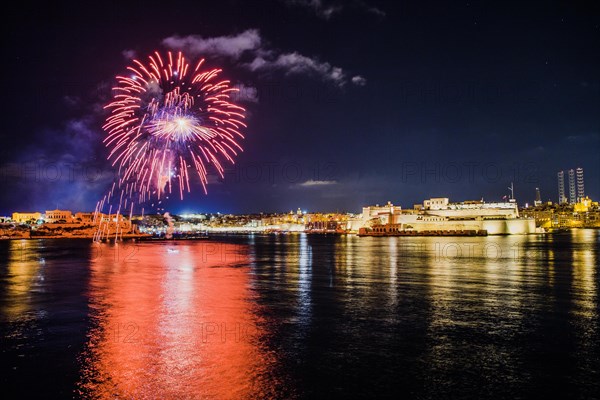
(438, 216)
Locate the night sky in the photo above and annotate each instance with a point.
(349, 103)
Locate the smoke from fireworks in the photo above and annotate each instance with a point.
(169, 122)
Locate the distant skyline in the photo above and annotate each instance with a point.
(350, 103)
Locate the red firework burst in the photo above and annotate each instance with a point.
(167, 118)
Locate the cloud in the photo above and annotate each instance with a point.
(228, 46)
(313, 183)
(63, 166)
(326, 9)
(297, 64)
(257, 55)
(245, 94)
(583, 138)
(71, 101)
(359, 80)
(376, 11)
(321, 9)
(370, 9)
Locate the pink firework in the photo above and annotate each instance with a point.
(168, 119)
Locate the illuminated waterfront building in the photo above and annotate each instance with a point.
(439, 214)
(58, 215)
(22, 217)
(84, 217)
(584, 205)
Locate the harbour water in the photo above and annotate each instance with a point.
(302, 316)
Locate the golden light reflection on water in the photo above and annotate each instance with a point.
(584, 286)
(24, 271)
(173, 321)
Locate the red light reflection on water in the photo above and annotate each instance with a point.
(173, 321)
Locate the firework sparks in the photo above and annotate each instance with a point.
(168, 119)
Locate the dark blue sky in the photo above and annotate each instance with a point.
(356, 103)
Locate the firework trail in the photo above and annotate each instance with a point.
(169, 121)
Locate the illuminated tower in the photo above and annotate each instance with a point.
(561, 187)
(572, 193)
(538, 197)
(580, 187)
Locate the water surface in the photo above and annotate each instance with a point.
(298, 316)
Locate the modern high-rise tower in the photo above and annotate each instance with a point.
(576, 186)
(561, 187)
(580, 187)
(572, 192)
(538, 197)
